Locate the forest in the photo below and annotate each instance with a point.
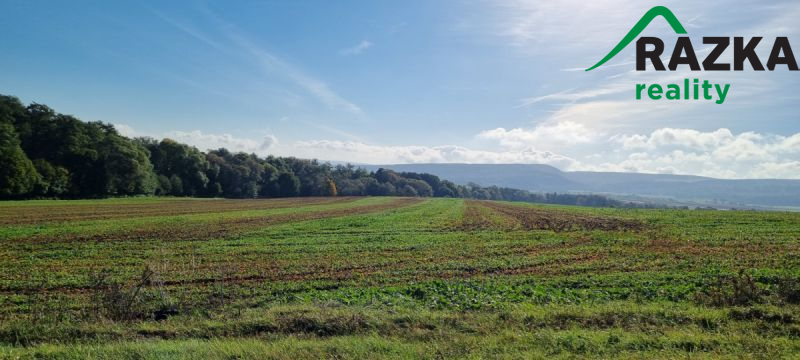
(45, 154)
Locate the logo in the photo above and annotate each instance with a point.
(781, 55)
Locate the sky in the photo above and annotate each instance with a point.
(387, 82)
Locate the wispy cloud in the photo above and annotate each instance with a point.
(270, 64)
(338, 132)
(587, 121)
(191, 31)
(356, 49)
(532, 25)
(572, 96)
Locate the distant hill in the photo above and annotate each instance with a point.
(680, 188)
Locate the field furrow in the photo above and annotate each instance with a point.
(225, 225)
(409, 273)
(486, 215)
(61, 212)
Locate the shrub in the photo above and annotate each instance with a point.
(730, 290)
(118, 302)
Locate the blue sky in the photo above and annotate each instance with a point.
(410, 81)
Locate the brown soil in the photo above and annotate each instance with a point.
(529, 218)
(225, 228)
(35, 214)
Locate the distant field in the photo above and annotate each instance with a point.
(393, 277)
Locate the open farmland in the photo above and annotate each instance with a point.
(393, 277)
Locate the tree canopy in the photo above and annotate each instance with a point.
(45, 154)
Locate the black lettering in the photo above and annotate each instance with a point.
(709, 64)
(684, 44)
(642, 53)
(742, 53)
(775, 57)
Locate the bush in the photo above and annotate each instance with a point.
(118, 302)
(730, 290)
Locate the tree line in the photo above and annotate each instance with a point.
(44, 154)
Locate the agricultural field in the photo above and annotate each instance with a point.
(377, 277)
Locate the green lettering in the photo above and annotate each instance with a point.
(706, 87)
(674, 92)
(655, 92)
(686, 88)
(722, 92)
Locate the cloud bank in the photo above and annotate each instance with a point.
(718, 153)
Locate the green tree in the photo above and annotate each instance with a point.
(268, 185)
(420, 187)
(288, 184)
(376, 188)
(54, 180)
(238, 174)
(17, 173)
(406, 190)
(175, 185)
(127, 168)
(387, 176)
(164, 185)
(170, 157)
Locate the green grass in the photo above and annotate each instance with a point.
(387, 277)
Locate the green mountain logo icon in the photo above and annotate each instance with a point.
(639, 27)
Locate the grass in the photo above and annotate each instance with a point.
(393, 277)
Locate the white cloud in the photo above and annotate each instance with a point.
(204, 141)
(614, 115)
(785, 170)
(718, 153)
(789, 145)
(565, 132)
(125, 130)
(268, 142)
(678, 137)
(356, 49)
(359, 152)
(745, 147)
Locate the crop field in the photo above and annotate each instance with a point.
(377, 277)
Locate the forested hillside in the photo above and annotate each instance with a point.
(44, 154)
(661, 188)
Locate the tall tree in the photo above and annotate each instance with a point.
(288, 184)
(170, 157)
(17, 173)
(127, 168)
